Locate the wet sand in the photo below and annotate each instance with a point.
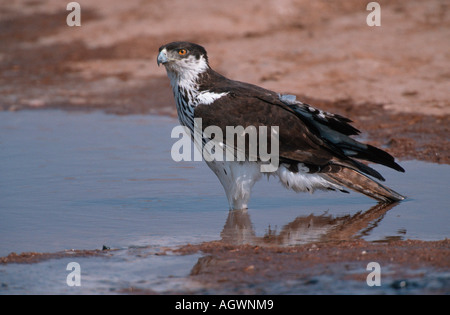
(407, 267)
(35, 257)
(392, 81)
(249, 268)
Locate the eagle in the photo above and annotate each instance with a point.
(316, 149)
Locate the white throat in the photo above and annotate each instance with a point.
(184, 77)
(185, 73)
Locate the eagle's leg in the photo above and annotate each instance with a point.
(237, 178)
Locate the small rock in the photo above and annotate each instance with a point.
(399, 284)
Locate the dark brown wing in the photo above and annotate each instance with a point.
(307, 135)
(297, 143)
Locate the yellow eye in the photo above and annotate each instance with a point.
(182, 52)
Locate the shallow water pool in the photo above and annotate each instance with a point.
(77, 180)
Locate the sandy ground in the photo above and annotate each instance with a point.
(251, 267)
(226, 268)
(393, 81)
(321, 49)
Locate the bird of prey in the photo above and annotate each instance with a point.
(316, 150)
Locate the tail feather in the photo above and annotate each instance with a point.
(361, 183)
(375, 155)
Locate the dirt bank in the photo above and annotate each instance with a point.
(249, 268)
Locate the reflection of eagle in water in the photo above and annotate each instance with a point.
(315, 148)
(239, 229)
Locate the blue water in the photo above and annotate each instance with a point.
(76, 180)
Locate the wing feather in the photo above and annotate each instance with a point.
(307, 135)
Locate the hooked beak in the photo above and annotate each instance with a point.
(162, 57)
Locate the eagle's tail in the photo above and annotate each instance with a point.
(361, 183)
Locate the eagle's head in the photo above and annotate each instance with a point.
(183, 59)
